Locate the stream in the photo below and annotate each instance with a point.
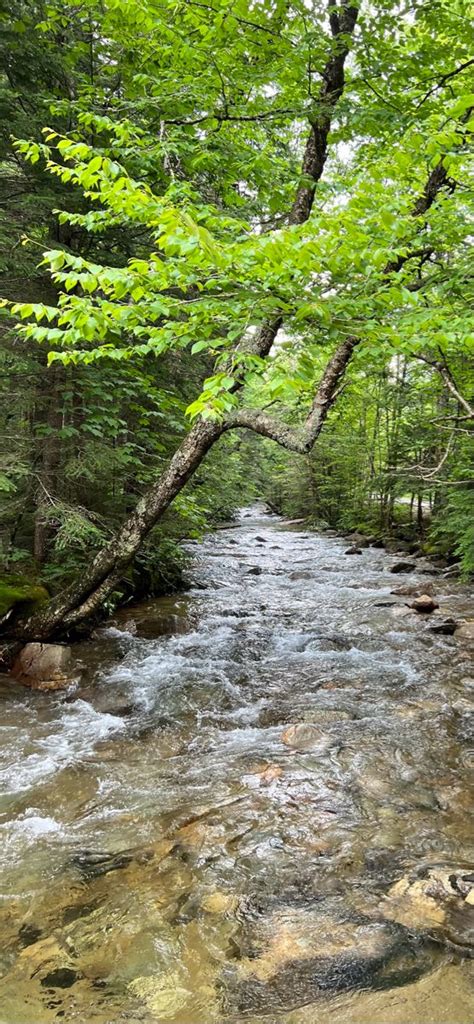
(254, 806)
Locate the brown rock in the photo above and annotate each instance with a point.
(43, 666)
(402, 567)
(425, 604)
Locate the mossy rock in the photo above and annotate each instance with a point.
(17, 590)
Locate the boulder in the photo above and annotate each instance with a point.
(254, 571)
(425, 604)
(43, 666)
(353, 551)
(402, 567)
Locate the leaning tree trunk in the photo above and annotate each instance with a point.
(86, 594)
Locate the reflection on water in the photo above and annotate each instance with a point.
(255, 808)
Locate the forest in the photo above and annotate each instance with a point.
(187, 242)
(236, 310)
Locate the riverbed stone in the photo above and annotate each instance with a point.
(438, 900)
(412, 589)
(302, 954)
(43, 666)
(402, 567)
(305, 736)
(425, 604)
(465, 631)
(353, 551)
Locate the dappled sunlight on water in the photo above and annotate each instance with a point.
(254, 807)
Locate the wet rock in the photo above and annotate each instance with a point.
(437, 899)
(465, 631)
(402, 567)
(261, 540)
(305, 736)
(411, 590)
(162, 993)
(425, 604)
(446, 628)
(43, 666)
(220, 903)
(353, 551)
(61, 977)
(29, 934)
(303, 955)
(452, 573)
(254, 571)
(93, 863)
(48, 963)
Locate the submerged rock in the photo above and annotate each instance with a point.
(305, 736)
(439, 899)
(254, 571)
(303, 955)
(465, 631)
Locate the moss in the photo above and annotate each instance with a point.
(18, 590)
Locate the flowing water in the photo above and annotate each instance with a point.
(253, 807)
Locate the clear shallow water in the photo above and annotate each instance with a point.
(174, 851)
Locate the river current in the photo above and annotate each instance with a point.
(255, 804)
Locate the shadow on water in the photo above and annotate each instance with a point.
(255, 806)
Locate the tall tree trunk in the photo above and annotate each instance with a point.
(48, 421)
